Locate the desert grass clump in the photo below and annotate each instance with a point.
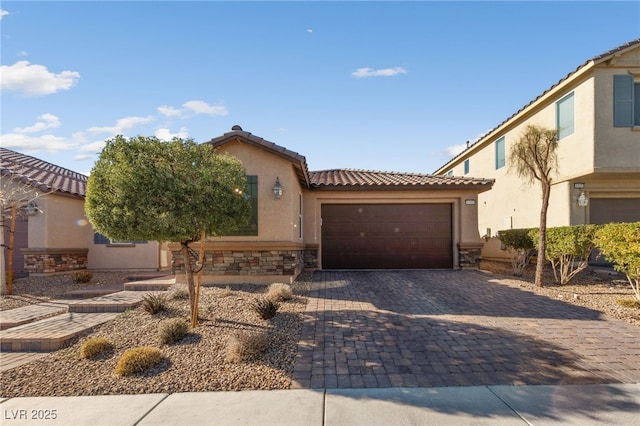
(138, 360)
(179, 292)
(172, 330)
(264, 307)
(81, 276)
(226, 292)
(279, 292)
(154, 303)
(246, 346)
(629, 303)
(94, 346)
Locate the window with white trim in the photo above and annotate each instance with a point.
(500, 157)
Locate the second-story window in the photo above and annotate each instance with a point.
(565, 116)
(500, 157)
(466, 166)
(626, 101)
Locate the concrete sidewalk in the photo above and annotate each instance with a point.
(611, 404)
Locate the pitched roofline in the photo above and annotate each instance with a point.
(371, 180)
(568, 79)
(299, 161)
(42, 175)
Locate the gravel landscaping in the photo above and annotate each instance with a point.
(199, 362)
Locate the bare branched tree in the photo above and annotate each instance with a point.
(16, 193)
(534, 158)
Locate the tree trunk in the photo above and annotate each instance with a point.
(12, 231)
(3, 276)
(542, 239)
(184, 249)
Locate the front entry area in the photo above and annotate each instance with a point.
(387, 236)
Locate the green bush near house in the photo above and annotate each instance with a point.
(520, 246)
(620, 244)
(568, 249)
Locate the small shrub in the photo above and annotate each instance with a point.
(246, 346)
(629, 303)
(138, 360)
(520, 246)
(81, 276)
(154, 303)
(179, 292)
(172, 331)
(279, 292)
(93, 347)
(226, 292)
(264, 307)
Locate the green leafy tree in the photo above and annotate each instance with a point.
(620, 243)
(143, 188)
(520, 247)
(568, 249)
(534, 158)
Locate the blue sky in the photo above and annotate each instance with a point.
(392, 86)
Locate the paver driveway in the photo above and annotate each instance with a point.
(450, 328)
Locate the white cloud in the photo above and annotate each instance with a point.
(201, 107)
(385, 72)
(35, 143)
(309, 30)
(3, 13)
(169, 111)
(454, 150)
(23, 53)
(166, 135)
(122, 125)
(82, 157)
(48, 121)
(35, 80)
(94, 147)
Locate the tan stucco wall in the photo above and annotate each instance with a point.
(61, 224)
(277, 218)
(604, 158)
(125, 256)
(617, 148)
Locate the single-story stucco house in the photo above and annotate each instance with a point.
(339, 219)
(52, 234)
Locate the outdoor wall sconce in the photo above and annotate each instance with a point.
(583, 199)
(32, 209)
(277, 189)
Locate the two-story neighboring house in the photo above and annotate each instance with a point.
(596, 111)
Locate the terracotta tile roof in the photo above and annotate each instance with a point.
(368, 179)
(595, 60)
(44, 176)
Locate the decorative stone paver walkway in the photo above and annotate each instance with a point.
(453, 328)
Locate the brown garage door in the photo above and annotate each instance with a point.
(386, 236)
(605, 210)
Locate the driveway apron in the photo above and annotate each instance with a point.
(368, 329)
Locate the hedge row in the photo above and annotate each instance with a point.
(568, 248)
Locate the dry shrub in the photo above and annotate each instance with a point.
(279, 292)
(264, 307)
(138, 360)
(154, 303)
(81, 276)
(629, 303)
(172, 331)
(93, 347)
(179, 292)
(246, 346)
